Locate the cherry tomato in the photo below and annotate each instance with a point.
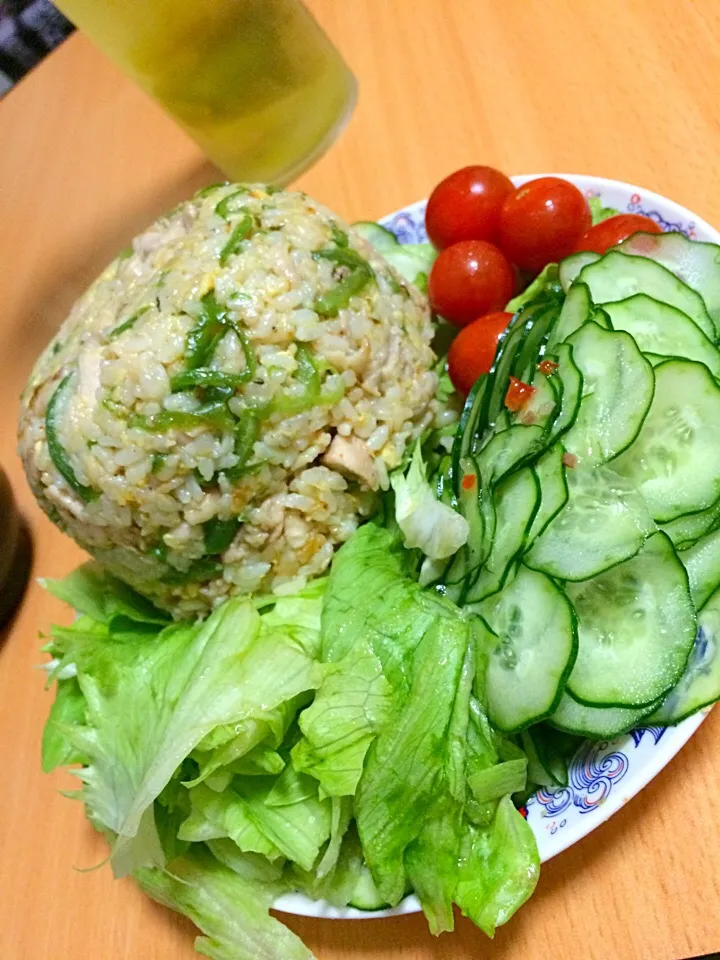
(466, 206)
(614, 230)
(542, 221)
(518, 394)
(469, 279)
(473, 350)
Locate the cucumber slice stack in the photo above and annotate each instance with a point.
(594, 553)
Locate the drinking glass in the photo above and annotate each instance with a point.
(257, 83)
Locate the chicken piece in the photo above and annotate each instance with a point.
(351, 457)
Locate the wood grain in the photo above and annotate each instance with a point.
(623, 88)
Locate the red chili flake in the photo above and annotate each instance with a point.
(468, 481)
(548, 367)
(519, 393)
(570, 460)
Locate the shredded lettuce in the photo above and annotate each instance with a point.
(333, 742)
(598, 212)
(426, 522)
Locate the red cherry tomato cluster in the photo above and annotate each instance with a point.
(488, 232)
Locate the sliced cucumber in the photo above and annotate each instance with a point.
(604, 522)
(699, 686)
(471, 423)
(365, 896)
(617, 277)
(636, 627)
(658, 328)
(702, 562)
(411, 259)
(596, 723)
(576, 310)
(618, 387)
(380, 237)
(475, 504)
(509, 450)
(686, 530)
(545, 765)
(549, 472)
(569, 375)
(504, 364)
(534, 647)
(545, 403)
(571, 267)
(533, 347)
(675, 460)
(696, 264)
(516, 501)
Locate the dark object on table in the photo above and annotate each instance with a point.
(15, 552)
(29, 29)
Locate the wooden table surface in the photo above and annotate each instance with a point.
(625, 89)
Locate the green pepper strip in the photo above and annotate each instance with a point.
(208, 415)
(203, 569)
(240, 233)
(121, 328)
(219, 534)
(210, 188)
(199, 342)
(246, 433)
(225, 207)
(343, 256)
(157, 462)
(204, 377)
(421, 282)
(56, 449)
(329, 304)
(339, 236)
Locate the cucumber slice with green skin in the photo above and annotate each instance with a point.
(636, 628)
(699, 685)
(365, 896)
(504, 364)
(604, 522)
(569, 375)
(618, 387)
(380, 237)
(533, 638)
(510, 449)
(473, 504)
(549, 472)
(656, 359)
(685, 531)
(696, 264)
(577, 310)
(617, 276)
(534, 344)
(702, 562)
(544, 766)
(469, 426)
(515, 501)
(596, 723)
(675, 460)
(411, 259)
(545, 403)
(572, 266)
(474, 417)
(660, 329)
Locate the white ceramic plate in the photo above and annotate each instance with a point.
(603, 775)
